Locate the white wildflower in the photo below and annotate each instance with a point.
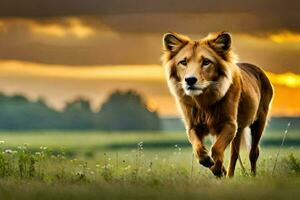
(9, 151)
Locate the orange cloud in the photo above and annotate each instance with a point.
(2, 26)
(70, 26)
(73, 27)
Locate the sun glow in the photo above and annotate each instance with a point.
(116, 72)
(286, 79)
(285, 36)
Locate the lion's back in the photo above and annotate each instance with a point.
(255, 76)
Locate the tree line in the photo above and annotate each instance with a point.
(121, 111)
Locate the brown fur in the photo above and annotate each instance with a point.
(230, 96)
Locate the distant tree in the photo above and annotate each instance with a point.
(78, 115)
(17, 112)
(127, 111)
(122, 111)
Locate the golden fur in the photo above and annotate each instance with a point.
(226, 98)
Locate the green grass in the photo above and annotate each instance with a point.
(78, 165)
(104, 139)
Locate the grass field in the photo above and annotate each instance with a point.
(93, 165)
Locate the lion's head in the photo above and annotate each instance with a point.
(199, 67)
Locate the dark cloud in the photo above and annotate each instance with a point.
(19, 43)
(272, 13)
(129, 32)
(45, 8)
(199, 23)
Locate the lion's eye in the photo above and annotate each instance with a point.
(183, 62)
(205, 62)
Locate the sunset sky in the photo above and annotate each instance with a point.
(61, 49)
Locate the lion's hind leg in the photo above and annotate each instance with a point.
(257, 129)
(235, 149)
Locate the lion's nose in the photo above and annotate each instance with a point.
(191, 80)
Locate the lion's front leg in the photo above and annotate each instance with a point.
(199, 149)
(223, 140)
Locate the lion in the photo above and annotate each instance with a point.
(217, 96)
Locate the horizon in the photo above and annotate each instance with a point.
(95, 83)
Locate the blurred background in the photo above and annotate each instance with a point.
(93, 67)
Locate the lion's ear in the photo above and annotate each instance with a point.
(222, 43)
(173, 42)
